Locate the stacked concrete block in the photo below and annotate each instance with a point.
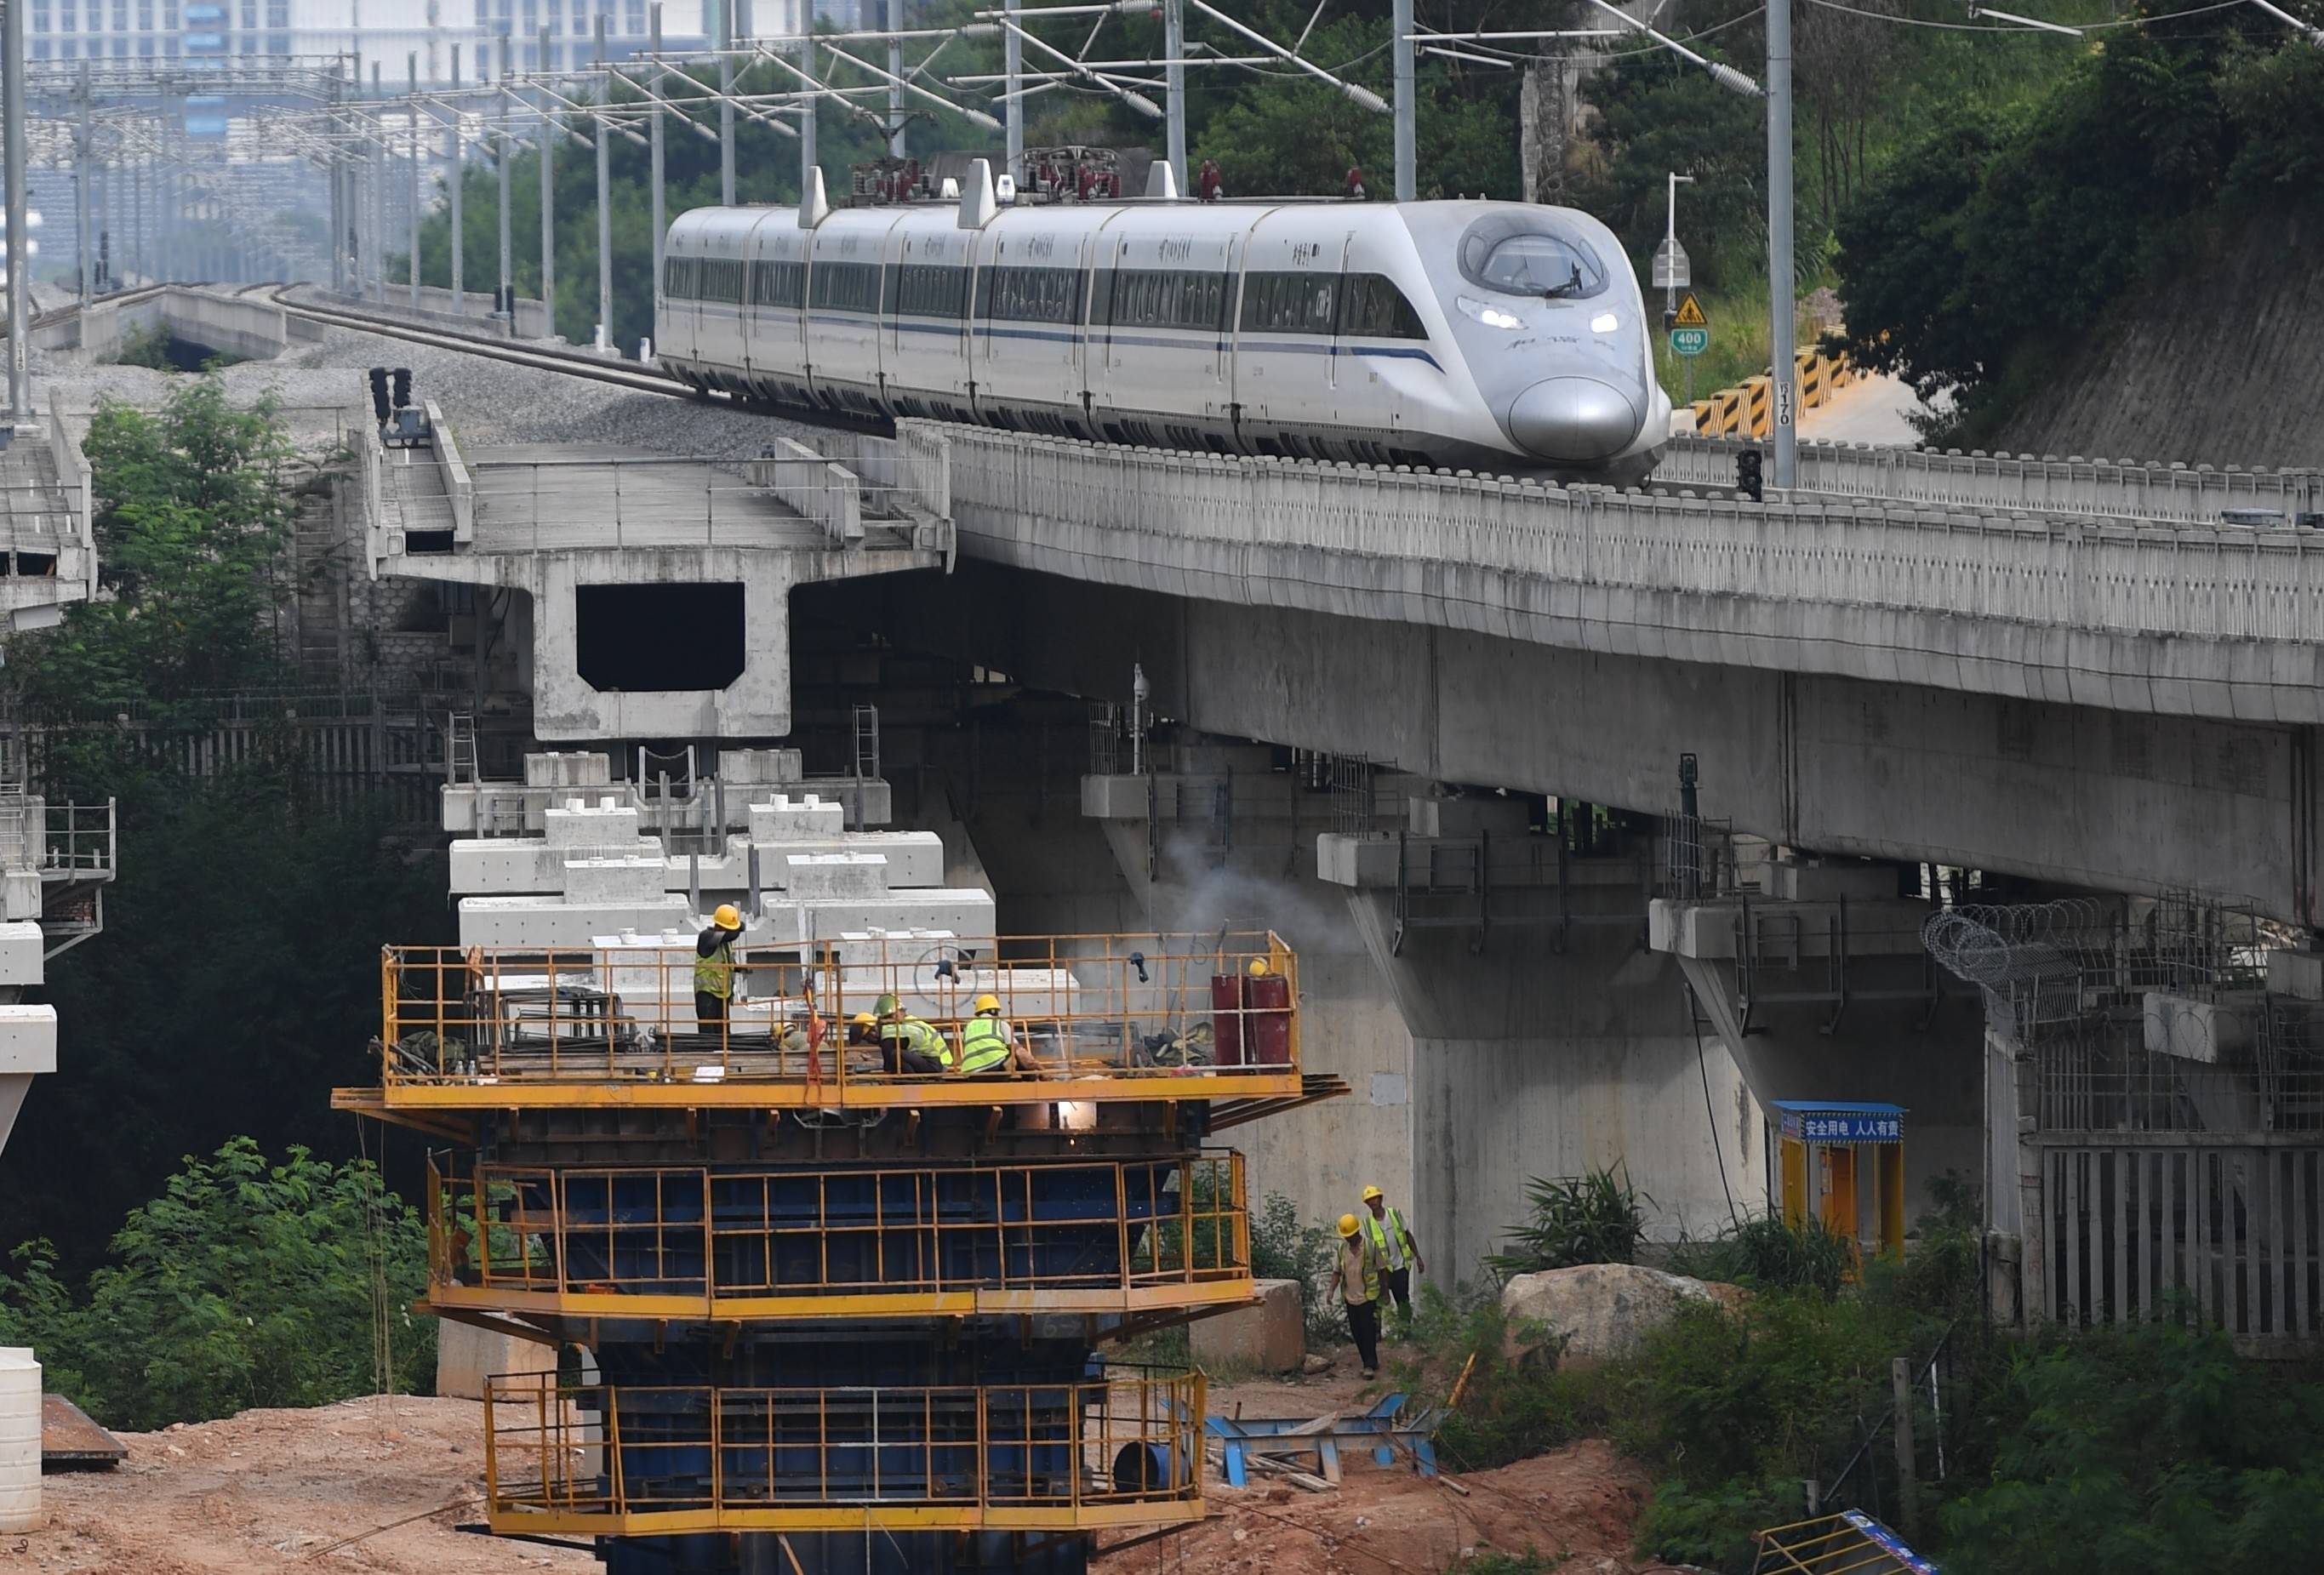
(784, 818)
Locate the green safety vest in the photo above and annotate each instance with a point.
(714, 974)
(1388, 1229)
(983, 1045)
(915, 1035)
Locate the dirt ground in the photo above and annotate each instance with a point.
(280, 1490)
(1576, 1506)
(379, 1485)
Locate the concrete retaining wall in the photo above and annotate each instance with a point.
(2215, 621)
(436, 306)
(250, 326)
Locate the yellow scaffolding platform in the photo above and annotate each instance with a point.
(585, 1459)
(691, 1243)
(1104, 1019)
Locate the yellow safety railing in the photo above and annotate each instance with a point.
(1850, 1542)
(1094, 1017)
(1068, 1236)
(1124, 1450)
(1746, 409)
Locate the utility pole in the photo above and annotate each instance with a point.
(1012, 63)
(1173, 84)
(896, 78)
(84, 193)
(726, 101)
(548, 201)
(452, 150)
(809, 111)
(165, 227)
(604, 198)
(11, 173)
(378, 160)
(411, 108)
(1671, 262)
(1407, 135)
(1782, 303)
(653, 136)
(506, 298)
(338, 173)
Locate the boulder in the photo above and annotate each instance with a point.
(1269, 1338)
(1605, 1310)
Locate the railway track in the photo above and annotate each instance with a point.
(570, 363)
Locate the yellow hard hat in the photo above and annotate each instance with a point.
(987, 1003)
(1371, 1193)
(1348, 1226)
(885, 1005)
(728, 917)
(1259, 967)
(865, 1020)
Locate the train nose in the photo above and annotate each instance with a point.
(1574, 418)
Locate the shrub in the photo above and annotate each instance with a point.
(245, 1284)
(1768, 1253)
(1282, 1249)
(1511, 1406)
(1583, 1218)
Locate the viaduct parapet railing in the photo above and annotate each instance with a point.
(2112, 489)
(2189, 620)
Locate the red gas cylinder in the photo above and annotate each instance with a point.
(1226, 1019)
(1266, 1019)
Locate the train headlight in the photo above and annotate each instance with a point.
(1604, 323)
(1492, 317)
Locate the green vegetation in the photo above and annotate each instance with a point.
(2151, 1448)
(237, 978)
(1765, 1254)
(1582, 1219)
(1282, 1249)
(2002, 233)
(245, 1283)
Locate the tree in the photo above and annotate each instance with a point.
(2143, 1449)
(245, 1283)
(192, 507)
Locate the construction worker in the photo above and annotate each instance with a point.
(713, 968)
(909, 1044)
(1356, 192)
(1399, 1253)
(989, 1047)
(1356, 1284)
(1209, 184)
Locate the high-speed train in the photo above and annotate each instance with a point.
(1454, 333)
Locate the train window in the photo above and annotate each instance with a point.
(1512, 253)
(719, 278)
(1033, 295)
(1373, 308)
(678, 277)
(1151, 297)
(776, 284)
(1291, 303)
(844, 287)
(925, 290)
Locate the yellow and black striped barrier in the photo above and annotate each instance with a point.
(1746, 409)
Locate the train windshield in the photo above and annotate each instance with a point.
(1503, 253)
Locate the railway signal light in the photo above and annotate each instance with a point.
(1746, 474)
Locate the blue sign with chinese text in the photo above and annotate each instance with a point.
(1841, 1121)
